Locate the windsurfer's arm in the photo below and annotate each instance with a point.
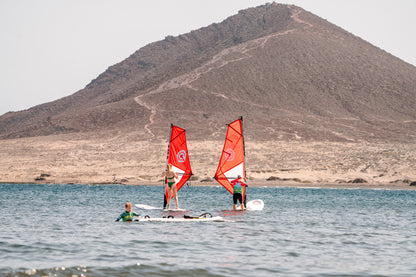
(118, 218)
(176, 175)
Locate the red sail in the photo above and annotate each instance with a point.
(232, 161)
(178, 157)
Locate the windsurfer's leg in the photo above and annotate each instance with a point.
(175, 193)
(240, 199)
(169, 197)
(235, 202)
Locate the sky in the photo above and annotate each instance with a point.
(53, 48)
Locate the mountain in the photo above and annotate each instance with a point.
(289, 73)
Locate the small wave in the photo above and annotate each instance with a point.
(129, 270)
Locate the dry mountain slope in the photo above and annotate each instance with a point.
(291, 74)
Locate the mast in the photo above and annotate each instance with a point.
(166, 168)
(244, 147)
(245, 173)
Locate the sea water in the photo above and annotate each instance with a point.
(70, 230)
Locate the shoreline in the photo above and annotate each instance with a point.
(124, 161)
(252, 183)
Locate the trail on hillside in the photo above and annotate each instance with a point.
(152, 110)
(218, 61)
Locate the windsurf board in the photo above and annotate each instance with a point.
(255, 205)
(181, 219)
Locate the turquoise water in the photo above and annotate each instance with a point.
(69, 230)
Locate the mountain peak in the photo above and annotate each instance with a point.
(291, 74)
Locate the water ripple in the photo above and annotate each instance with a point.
(301, 232)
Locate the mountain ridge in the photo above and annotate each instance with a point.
(291, 74)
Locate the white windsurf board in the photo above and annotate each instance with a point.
(255, 205)
(175, 210)
(146, 207)
(182, 219)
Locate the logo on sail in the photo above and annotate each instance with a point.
(230, 155)
(181, 156)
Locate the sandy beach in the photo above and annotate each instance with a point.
(82, 159)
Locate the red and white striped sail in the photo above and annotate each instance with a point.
(179, 158)
(232, 161)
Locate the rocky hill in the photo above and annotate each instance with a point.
(289, 73)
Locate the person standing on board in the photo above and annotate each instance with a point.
(170, 176)
(238, 192)
(127, 216)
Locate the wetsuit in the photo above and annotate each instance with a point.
(127, 216)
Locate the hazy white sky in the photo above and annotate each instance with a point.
(52, 48)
